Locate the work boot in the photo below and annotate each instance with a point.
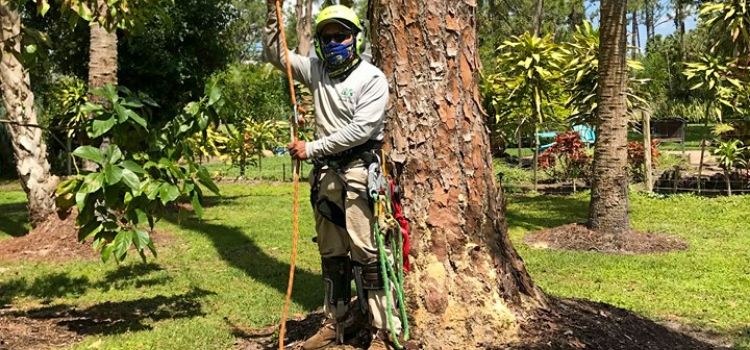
(325, 337)
(381, 341)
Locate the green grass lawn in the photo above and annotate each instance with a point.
(232, 267)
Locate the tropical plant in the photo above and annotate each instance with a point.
(730, 156)
(582, 74)
(714, 77)
(729, 23)
(66, 99)
(527, 67)
(247, 140)
(135, 181)
(637, 158)
(568, 159)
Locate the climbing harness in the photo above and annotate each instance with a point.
(391, 231)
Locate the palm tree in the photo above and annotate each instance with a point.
(608, 211)
(29, 148)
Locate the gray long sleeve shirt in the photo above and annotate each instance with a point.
(348, 111)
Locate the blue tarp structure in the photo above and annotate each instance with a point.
(587, 134)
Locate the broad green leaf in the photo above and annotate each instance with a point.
(122, 113)
(100, 127)
(141, 239)
(131, 179)
(112, 173)
(133, 166)
(214, 95)
(90, 153)
(67, 186)
(92, 183)
(197, 207)
(107, 252)
(206, 180)
(168, 193)
(89, 230)
(122, 243)
(192, 108)
(138, 119)
(113, 153)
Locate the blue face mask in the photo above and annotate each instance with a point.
(337, 54)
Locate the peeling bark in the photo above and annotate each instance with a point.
(468, 286)
(608, 211)
(29, 148)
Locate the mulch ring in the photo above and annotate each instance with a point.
(573, 324)
(579, 237)
(21, 333)
(56, 240)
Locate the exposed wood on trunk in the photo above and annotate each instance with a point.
(608, 211)
(29, 148)
(467, 285)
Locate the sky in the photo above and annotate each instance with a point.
(665, 24)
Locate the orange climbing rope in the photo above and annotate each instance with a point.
(296, 167)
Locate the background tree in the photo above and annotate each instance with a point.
(527, 66)
(437, 134)
(608, 212)
(29, 148)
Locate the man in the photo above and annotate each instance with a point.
(350, 97)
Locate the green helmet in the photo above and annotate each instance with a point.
(344, 16)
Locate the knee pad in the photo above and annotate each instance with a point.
(371, 275)
(337, 276)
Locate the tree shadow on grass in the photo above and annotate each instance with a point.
(539, 212)
(582, 324)
(61, 284)
(119, 317)
(236, 248)
(14, 219)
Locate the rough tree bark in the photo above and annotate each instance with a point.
(538, 18)
(608, 211)
(468, 285)
(102, 52)
(303, 10)
(29, 148)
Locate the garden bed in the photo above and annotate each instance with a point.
(579, 237)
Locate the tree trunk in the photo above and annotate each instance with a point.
(634, 41)
(102, 64)
(704, 139)
(18, 99)
(102, 52)
(467, 286)
(650, 21)
(535, 166)
(729, 182)
(303, 10)
(577, 14)
(648, 170)
(538, 18)
(679, 23)
(608, 211)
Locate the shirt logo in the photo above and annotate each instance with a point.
(347, 92)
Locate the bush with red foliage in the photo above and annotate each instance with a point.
(567, 159)
(637, 157)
